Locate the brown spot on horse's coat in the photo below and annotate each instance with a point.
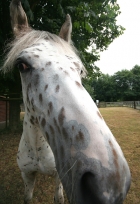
(48, 137)
(52, 130)
(99, 114)
(50, 107)
(46, 87)
(39, 149)
(42, 69)
(55, 123)
(66, 72)
(28, 101)
(65, 134)
(38, 49)
(43, 122)
(73, 127)
(36, 56)
(115, 155)
(32, 117)
(48, 63)
(115, 158)
(28, 110)
(68, 57)
(80, 136)
(76, 64)
(72, 69)
(61, 116)
(40, 98)
(32, 120)
(36, 121)
(57, 88)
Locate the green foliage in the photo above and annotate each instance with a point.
(122, 86)
(104, 88)
(122, 80)
(135, 82)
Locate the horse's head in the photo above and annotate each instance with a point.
(88, 159)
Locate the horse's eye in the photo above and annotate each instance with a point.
(23, 67)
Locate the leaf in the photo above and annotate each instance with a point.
(76, 24)
(88, 27)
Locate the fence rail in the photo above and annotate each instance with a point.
(131, 104)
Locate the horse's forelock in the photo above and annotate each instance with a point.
(29, 38)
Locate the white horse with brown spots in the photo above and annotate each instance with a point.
(63, 132)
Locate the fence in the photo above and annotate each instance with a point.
(9, 108)
(15, 105)
(131, 104)
(4, 110)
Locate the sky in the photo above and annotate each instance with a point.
(124, 51)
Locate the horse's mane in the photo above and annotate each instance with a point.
(30, 37)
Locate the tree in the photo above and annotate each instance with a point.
(104, 88)
(124, 85)
(135, 82)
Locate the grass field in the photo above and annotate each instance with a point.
(125, 125)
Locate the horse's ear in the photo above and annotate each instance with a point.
(66, 29)
(19, 20)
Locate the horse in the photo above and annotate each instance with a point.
(64, 134)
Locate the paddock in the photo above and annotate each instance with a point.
(125, 125)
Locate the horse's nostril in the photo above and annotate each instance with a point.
(89, 189)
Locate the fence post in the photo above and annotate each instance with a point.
(134, 104)
(6, 112)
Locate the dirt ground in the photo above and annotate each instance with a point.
(124, 124)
